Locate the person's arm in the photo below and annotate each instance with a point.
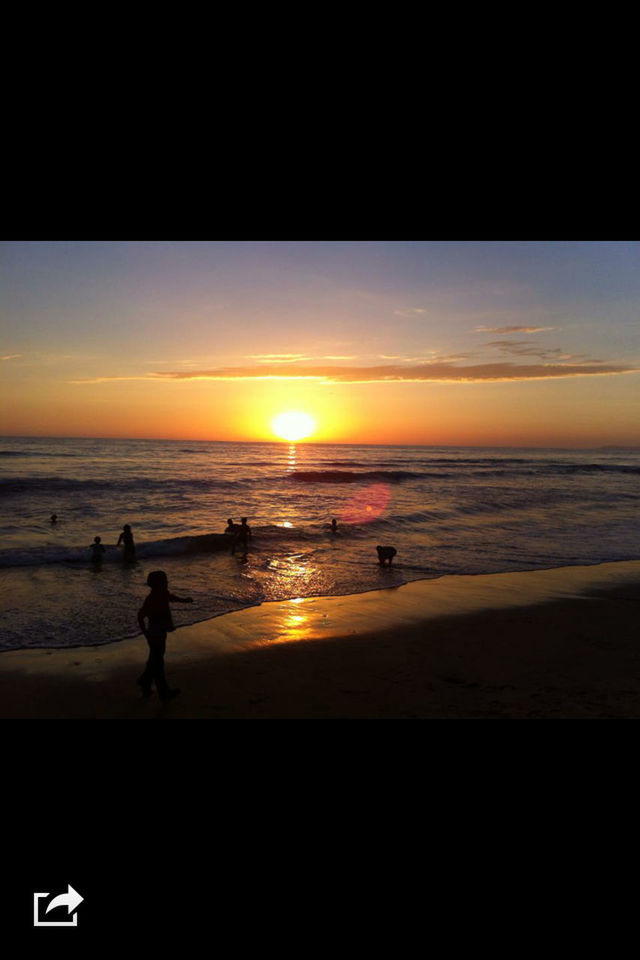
(174, 599)
(120, 539)
(141, 616)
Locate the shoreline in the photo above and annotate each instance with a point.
(554, 642)
(334, 596)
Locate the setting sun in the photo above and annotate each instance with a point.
(293, 426)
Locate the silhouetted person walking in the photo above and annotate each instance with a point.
(156, 610)
(126, 537)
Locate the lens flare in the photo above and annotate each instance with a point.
(367, 505)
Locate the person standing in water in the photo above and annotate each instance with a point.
(243, 533)
(97, 550)
(231, 532)
(156, 610)
(126, 537)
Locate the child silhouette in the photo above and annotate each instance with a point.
(97, 550)
(156, 610)
(126, 537)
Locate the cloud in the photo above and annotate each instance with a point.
(146, 376)
(386, 373)
(512, 329)
(515, 346)
(443, 358)
(527, 348)
(172, 361)
(410, 312)
(296, 357)
(431, 356)
(11, 356)
(279, 357)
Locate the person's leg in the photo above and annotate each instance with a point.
(157, 646)
(146, 677)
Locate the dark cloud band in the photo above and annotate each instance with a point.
(391, 373)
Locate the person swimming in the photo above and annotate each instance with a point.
(334, 526)
(54, 518)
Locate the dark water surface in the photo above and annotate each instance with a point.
(445, 509)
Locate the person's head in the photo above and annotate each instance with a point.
(334, 522)
(230, 522)
(158, 580)
(96, 539)
(243, 520)
(54, 517)
(127, 528)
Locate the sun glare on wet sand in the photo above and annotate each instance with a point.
(293, 426)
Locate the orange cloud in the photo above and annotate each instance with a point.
(512, 329)
(388, 372)
(279, 357)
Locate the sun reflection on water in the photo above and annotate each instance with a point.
(295, 624)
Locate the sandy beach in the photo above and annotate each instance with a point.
(559, 643)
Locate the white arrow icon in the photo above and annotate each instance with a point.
(71, 900)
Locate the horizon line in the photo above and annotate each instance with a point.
(329, 443)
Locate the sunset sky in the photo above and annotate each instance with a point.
(429, 342)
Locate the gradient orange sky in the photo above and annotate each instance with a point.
(428, 342)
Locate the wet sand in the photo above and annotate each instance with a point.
(546, 644)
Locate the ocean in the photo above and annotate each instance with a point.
(446, 510)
